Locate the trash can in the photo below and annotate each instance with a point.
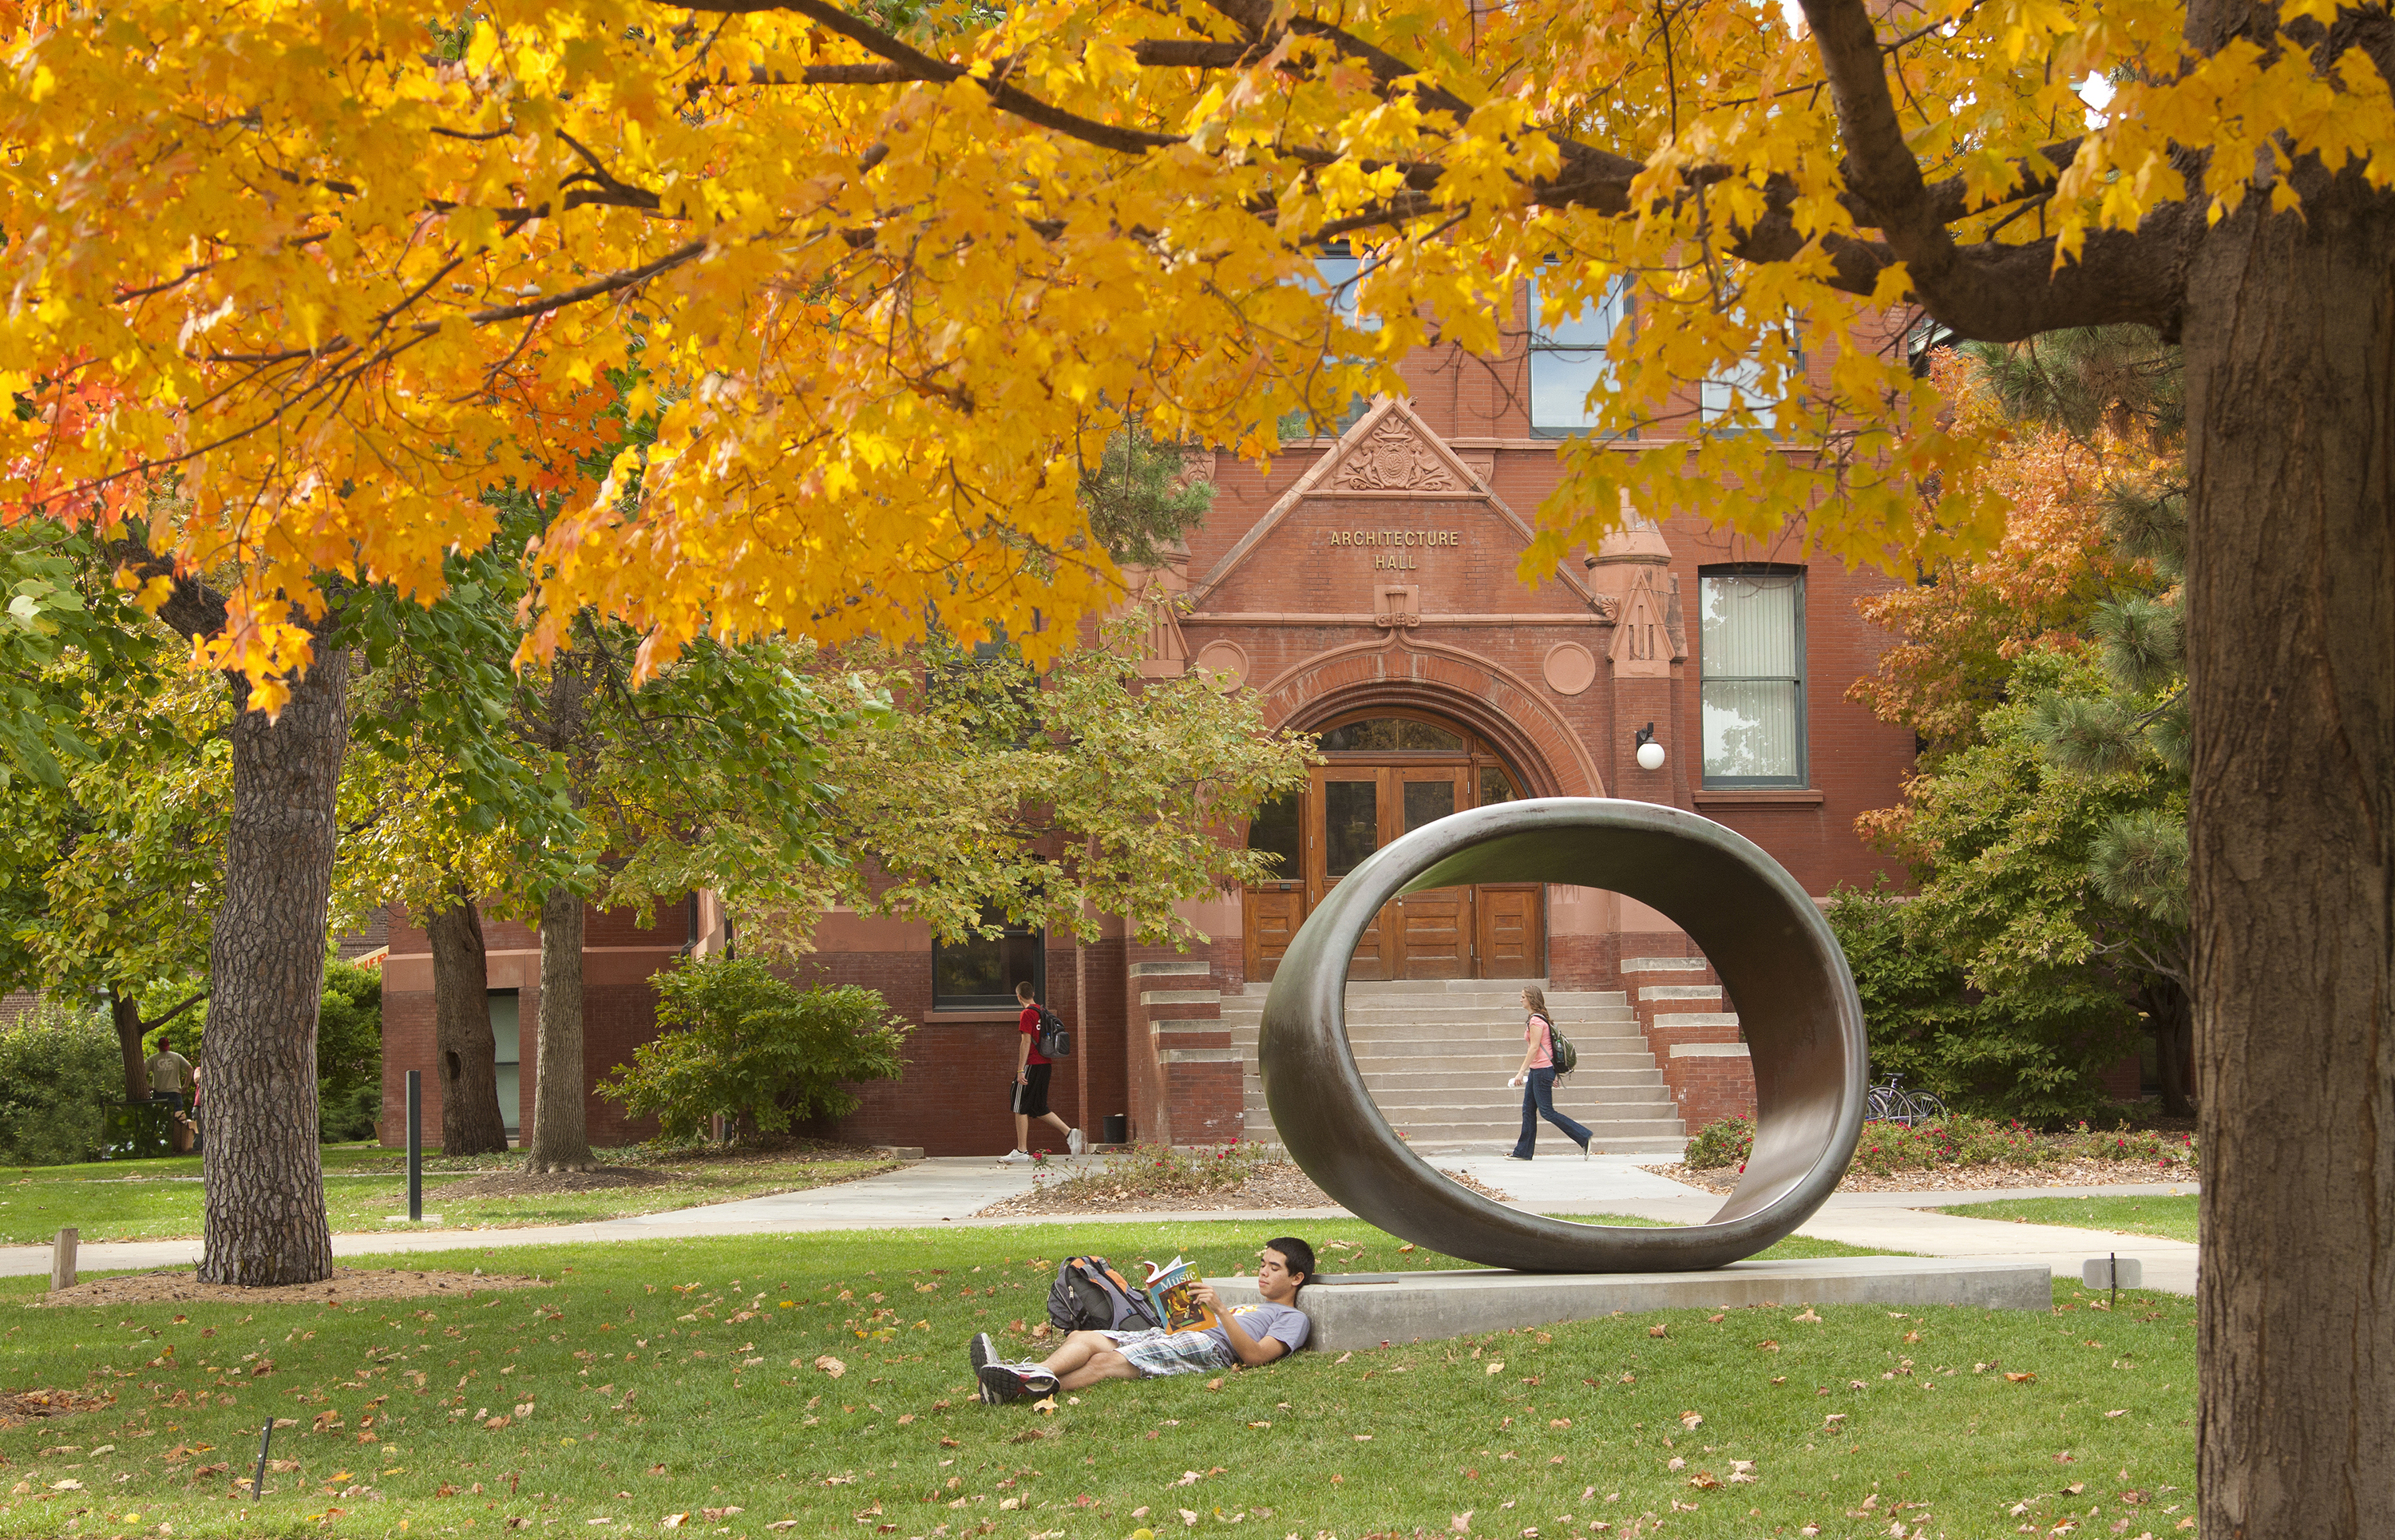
(1117, 1129)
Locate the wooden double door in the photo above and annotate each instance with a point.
(1350, 811)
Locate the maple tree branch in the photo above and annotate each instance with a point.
(1012, 99)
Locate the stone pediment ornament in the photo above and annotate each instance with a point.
(1394, 459)
(1391, 452)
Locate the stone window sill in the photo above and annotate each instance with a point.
(970, 1018)
(1760, 796)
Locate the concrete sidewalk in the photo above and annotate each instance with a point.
(950, 1191)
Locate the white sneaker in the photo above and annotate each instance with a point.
(1014, 1157)
(1074, 1143)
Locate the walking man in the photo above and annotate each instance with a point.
(170, 1076)
(1032, 1068)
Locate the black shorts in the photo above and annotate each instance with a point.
(1031, 1097)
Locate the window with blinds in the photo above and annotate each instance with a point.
(1750, 658)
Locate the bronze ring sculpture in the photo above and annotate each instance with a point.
(1765, 939)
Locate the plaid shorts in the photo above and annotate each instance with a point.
(1156, 1353)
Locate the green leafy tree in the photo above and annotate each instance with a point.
(2013, 977)
(349, 1053)
(58, 1075)
(1140, 496)
(738, 1041)
(1053, 796)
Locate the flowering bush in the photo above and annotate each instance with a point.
(1965, 1141)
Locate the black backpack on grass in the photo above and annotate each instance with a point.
(1090, 1296)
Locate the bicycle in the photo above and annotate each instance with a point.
(1892, 1102)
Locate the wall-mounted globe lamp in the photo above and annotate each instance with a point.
(1650, 754)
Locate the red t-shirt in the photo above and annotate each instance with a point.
(1029, 1027)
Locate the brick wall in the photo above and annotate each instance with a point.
(618, 1011)
(1694, 1037)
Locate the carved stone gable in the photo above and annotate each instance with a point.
(1392, 458)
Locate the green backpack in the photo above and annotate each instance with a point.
(1560, 1053)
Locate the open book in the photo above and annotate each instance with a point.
(1168, 1293)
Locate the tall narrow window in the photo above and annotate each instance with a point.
(1752, 657)
(1569, 360)
(1337, 278)
(1273, 832)
(507, 1036)
(980, 972)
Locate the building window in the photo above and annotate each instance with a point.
(1569, 360)
(1751, 651)
(507, 1038)
(980, 972)
(1337, 278)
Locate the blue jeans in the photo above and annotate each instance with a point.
(1539, 1101)
(171, 1100)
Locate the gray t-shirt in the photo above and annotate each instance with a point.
(1284, 1324)
(169, 1071)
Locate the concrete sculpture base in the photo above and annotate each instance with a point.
(1370, 1310)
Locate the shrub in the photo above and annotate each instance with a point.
(58, 1070)
(2037, 1050)
(1726, 1142)
(741, 1041)
(348, 1053)
(1888, 1147)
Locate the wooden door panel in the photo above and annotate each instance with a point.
(1272, 917)
(1435, 934)
(1511, 933)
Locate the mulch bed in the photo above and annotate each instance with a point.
(20, 1407)
(2058, 1174)
(347, 1285)
(1272, 1186)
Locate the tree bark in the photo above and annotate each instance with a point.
(126, 1013)
(464, 1054)
(2290, 338)
(561, 1137)
(264, 1207)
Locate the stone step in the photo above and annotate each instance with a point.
(1584, 1079)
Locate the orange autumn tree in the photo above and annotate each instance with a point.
(1966, 620)
(885, 271)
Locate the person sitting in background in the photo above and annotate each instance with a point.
(1249, 1336)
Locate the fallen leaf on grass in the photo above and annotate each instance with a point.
(1691, 1420)
(2122, 1413)
(1656, 1331)
(831, 1366)
(1704, 1480)
(1461, 1523)
(671, 1521)
(1742, 1470)
(1496, 1366)
(2022, 1378)
(1810, 1317)
(783, 1524)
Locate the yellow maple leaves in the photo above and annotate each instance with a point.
(326, 272)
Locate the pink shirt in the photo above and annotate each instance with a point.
(1543, 1057)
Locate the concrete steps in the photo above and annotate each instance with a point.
(1435, 1056)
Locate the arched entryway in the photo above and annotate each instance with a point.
(1390, 772)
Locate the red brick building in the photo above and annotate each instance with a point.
(1366, 589)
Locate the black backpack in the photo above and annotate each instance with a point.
(1089, 1295)
(1053, 1042)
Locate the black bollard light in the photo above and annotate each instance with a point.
(415, 1146)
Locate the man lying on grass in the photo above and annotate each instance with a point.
(1253, 1334)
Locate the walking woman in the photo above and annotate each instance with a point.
(1538, 1074)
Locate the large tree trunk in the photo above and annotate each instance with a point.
(2290, 336)
(265, 1193)
(464, 1054)
(560, 1137)
(126, 1013)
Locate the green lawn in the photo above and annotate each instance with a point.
(680, 1376)
(364, 1185)
(2170, 1217)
